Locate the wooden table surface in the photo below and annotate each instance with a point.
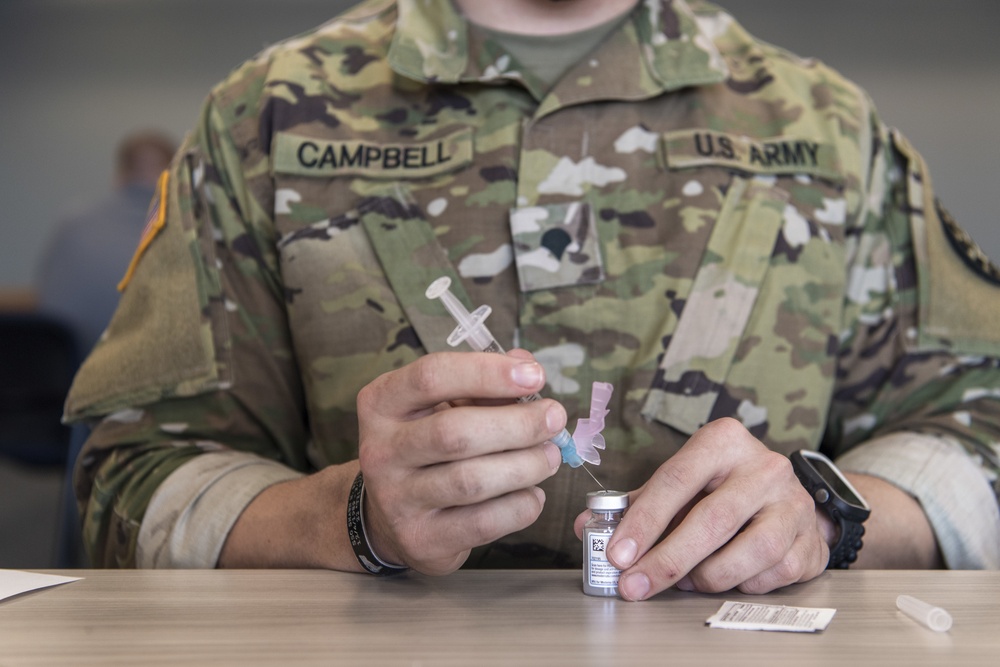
(473, 618)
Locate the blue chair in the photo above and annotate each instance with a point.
(39, 355)
(38, 358)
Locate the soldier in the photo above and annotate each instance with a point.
(646, 196)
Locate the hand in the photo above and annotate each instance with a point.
(450, 461)
(733, 514)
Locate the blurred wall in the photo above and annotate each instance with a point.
(77, 74)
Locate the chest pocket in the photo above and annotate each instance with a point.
(556, 246)
(690, 381)
(757, 336)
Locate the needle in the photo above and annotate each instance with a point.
(592, 476)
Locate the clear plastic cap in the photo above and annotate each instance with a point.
(607, 501)
(928, 615)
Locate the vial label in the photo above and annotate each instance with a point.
(602, 574)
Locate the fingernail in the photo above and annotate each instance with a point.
(528, 374)
(634, 586)
(684, 584)
(623, 553)
(554, 420)
(553, 455)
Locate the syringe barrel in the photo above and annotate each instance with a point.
(479, 337)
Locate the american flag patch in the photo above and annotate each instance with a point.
(155, 220)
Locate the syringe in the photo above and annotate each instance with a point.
(472, 329)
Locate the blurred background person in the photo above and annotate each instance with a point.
(88, 252)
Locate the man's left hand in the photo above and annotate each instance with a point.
(731, 514)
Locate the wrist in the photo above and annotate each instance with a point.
(295, 524)
(899, 535)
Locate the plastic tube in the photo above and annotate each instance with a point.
(928, 615)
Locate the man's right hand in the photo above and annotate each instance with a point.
(450, 460)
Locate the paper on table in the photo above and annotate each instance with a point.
(781, 618)
(15, 582)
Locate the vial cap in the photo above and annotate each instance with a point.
(607, 500)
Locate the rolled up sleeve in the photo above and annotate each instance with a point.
(952, 488)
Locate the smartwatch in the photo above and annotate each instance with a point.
(835, 496)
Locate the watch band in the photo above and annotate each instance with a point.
(359, 537)
(825, 495)
(845, 551)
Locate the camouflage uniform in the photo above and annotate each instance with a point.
(713, 225)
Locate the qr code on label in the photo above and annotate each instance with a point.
(597, 543)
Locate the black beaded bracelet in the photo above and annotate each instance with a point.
(359, 538)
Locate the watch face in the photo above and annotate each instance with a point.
(836, 481)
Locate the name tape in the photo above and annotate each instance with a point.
(306, 156)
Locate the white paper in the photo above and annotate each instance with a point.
(779, 618)
(15, 582)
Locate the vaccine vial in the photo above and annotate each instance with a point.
(600, 577)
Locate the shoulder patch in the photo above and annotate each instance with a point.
(955, 280)
(967, 249)
(160, 342)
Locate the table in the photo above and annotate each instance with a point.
(473, 618)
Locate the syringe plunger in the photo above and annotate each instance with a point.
(471, 326)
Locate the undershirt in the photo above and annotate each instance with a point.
(548, 57)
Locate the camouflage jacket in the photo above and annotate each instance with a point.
(713, 225)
